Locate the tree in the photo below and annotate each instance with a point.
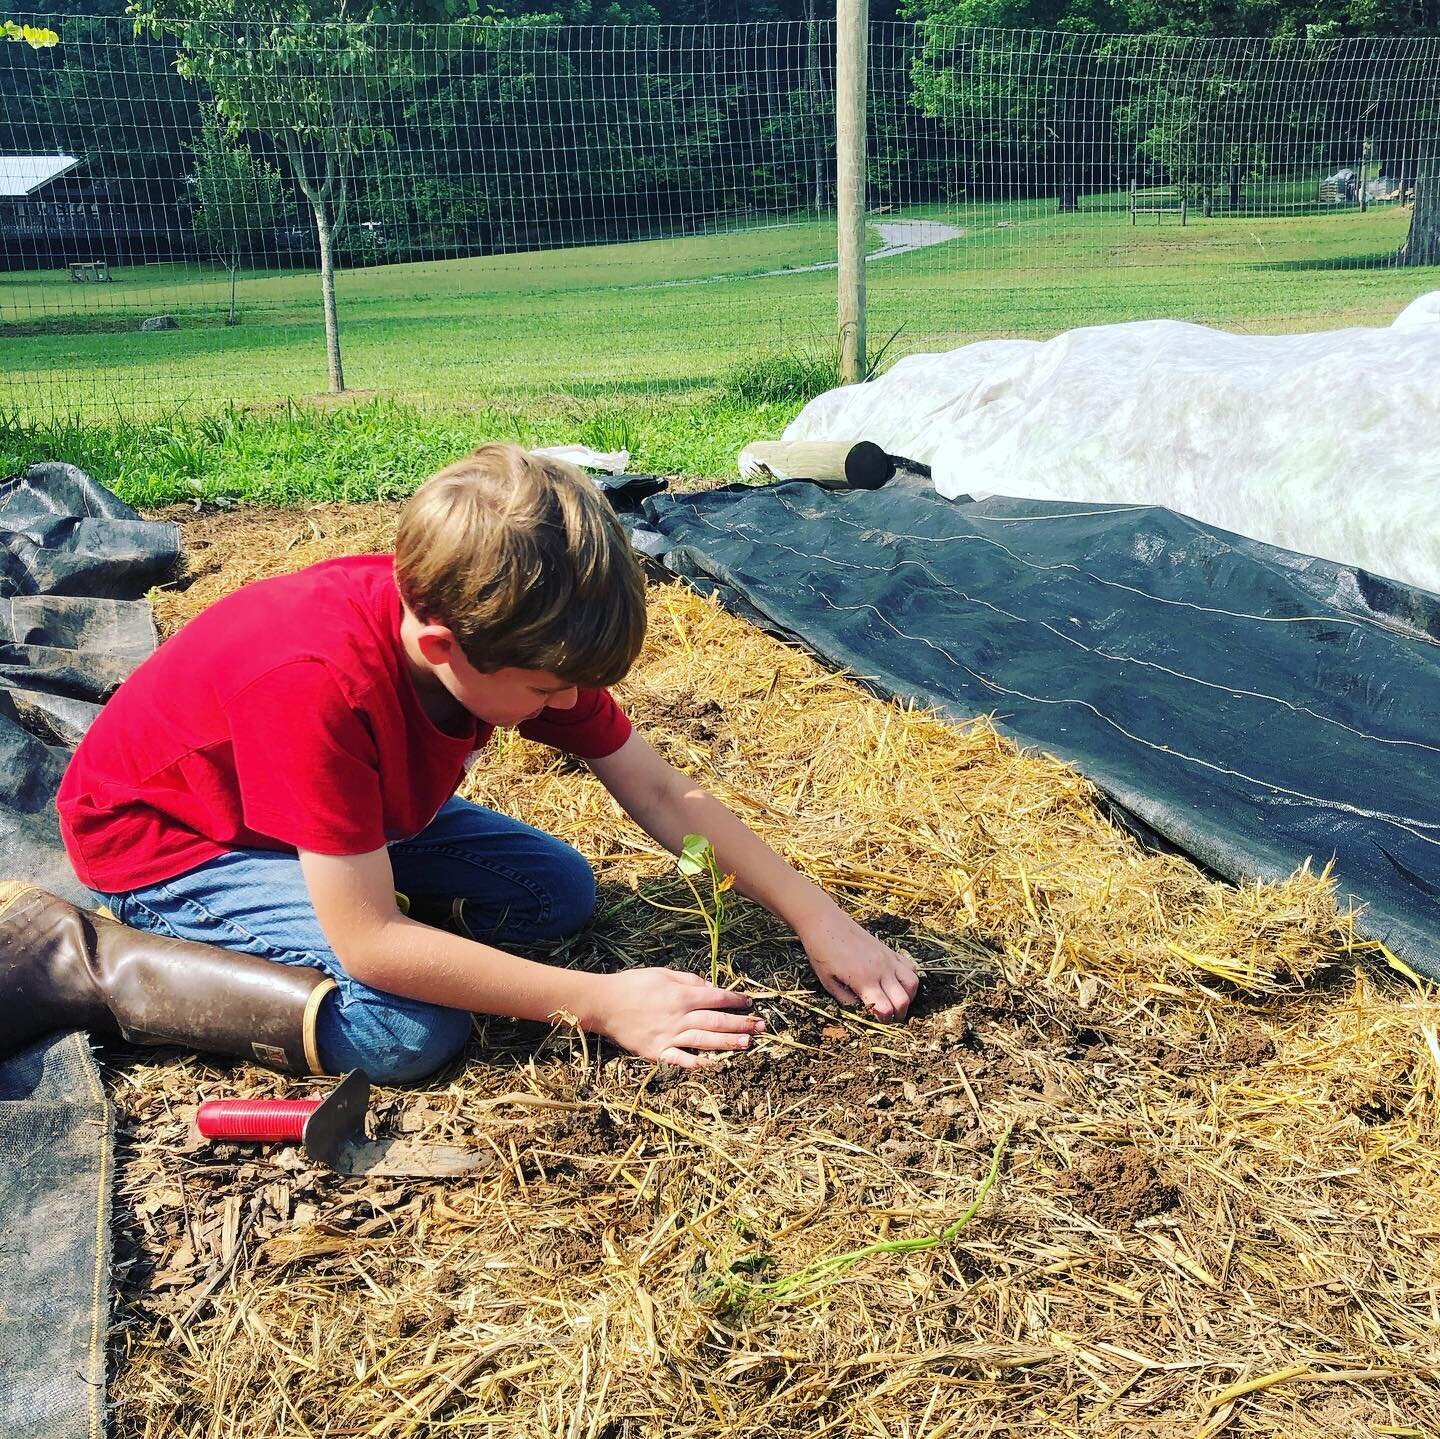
(312, 79)
(535, 135)
(238, 199)
(1399, 114)
(1033, 109)
(1207, 95)
(1422, 245)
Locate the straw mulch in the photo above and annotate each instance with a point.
(1217, 1210)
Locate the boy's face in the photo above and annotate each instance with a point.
(505, 697)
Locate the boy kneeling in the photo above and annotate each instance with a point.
(273, 774)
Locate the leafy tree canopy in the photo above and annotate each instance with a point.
(1279, 18)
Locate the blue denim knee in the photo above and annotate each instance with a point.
(395, 1041)
(531, 884)
(572, 895)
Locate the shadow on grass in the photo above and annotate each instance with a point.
(590, 391)
(1383, 260)
(109, 322)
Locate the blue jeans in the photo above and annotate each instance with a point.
(518, 884)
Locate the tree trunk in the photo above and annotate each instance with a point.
(327, 291)
(319, 192)
(1422, 247)
(814, 97)
(230, 319)
(1063, 132)
(1234, 188)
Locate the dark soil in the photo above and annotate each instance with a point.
(1247, 1046)
(1119, 1186)
(966, 1053)
(1244, 1046)
(695, 719)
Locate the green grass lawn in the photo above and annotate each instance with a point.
(678, 349)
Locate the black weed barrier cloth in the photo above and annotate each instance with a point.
(1250, 706)
(55, 1165)
(74, 563)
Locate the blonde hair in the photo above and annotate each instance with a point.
(523, 559)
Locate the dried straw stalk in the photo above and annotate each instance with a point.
(1218, 1208)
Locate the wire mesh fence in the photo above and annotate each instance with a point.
(512, 209)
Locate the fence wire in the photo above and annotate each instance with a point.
(516, 210)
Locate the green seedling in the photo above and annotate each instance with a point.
(696, 858)
(834, 1265)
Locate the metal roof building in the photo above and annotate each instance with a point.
(22, 175)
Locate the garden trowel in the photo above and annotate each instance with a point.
(331, 1131)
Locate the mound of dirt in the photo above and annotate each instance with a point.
(1119, 1186)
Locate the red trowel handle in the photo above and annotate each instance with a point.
(256, 1119)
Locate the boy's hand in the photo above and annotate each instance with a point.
(673, 1016)
(856, 968)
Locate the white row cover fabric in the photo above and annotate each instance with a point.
(612, 462)
(1325, 443)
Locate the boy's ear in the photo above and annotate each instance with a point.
(437, 644)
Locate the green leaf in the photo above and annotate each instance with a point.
(37, 37)
(695, 855)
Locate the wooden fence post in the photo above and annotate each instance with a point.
(851, 63)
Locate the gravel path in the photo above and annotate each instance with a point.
(900, 236)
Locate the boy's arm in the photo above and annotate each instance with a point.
(850, 962)
(662, 1014)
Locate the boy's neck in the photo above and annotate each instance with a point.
(446, 712)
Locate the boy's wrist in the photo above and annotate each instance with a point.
(811, 910)
(590, 994)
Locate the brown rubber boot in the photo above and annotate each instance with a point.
(62, 967)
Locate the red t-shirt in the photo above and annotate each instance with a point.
(283, 717)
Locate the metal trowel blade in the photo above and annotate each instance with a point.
(335, 1136)
(405, 1158)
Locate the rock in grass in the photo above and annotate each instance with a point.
(159, 322)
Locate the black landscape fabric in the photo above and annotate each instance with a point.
(74, 564)
(55, 1165)
(1252, 707)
